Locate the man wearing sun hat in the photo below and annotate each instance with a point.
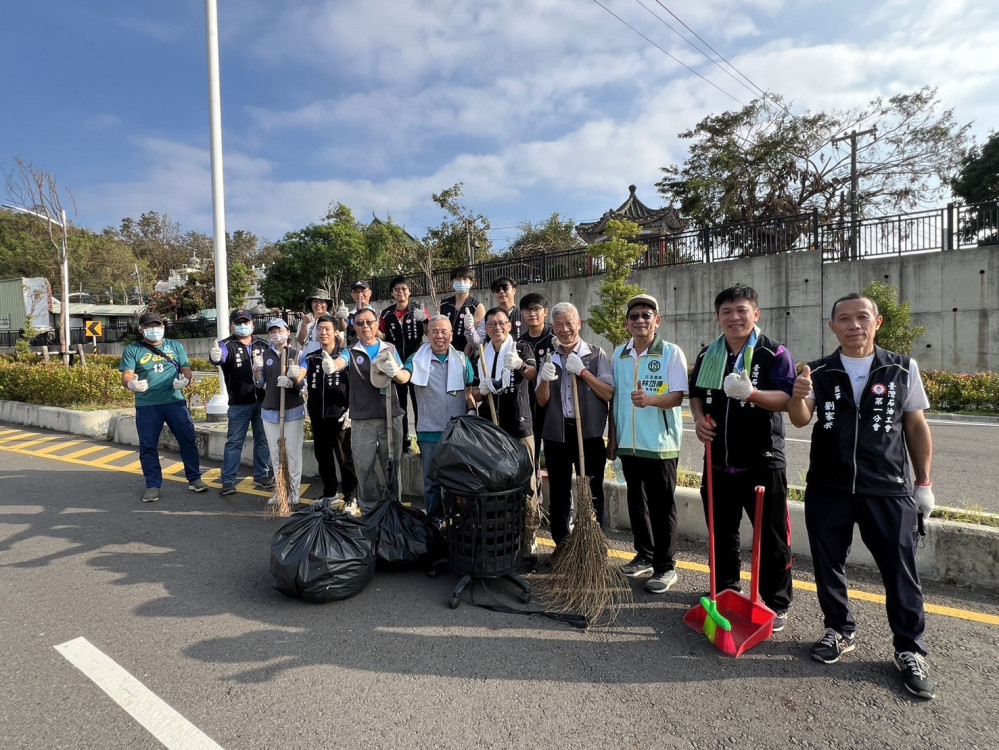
(157, 371)
(645, 430)
(235, 356)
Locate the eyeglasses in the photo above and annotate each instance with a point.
(400, 289)
(497, 324)
(535, 310)
(640, 316)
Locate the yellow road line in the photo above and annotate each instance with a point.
(80, 453)
(105, 460)
(135, 466)
(211, 475)
(18, 436)
(50, 449)
(8, 432)
(864, 596)
(36, 441)
(175, 468)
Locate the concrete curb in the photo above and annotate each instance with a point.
(961, 553)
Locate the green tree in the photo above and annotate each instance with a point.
(549, 236)
(198, 293)
(897, 332)
(332, 254)
(763, 161)
(617, 255)
(449, 241)
(156, 239)
(978, 182)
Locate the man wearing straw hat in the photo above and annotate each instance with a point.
(441, 376)
(645, 434)
(573, 357)
(373, 365)
(740, 385)
(275, 369)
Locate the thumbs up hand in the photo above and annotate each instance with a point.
(328, 366)
(342, 312)
(548, 372)
(640, 398)
(215, 353)
(803, 383)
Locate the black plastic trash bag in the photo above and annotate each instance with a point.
(322, 555)
(405, 538)
(476, 456)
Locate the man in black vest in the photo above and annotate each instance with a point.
(870, 404)
(328, 412)
(739, 387)
(235, 355)
(573, 358)
(463, 310)
(402, 326)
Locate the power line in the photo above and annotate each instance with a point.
(675, 59)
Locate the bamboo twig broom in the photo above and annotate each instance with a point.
(282, 487)
(582, 579)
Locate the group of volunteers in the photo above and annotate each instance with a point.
(515, 364)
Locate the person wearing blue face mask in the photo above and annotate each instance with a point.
(235, 356)
(463, 310)
(157, 370)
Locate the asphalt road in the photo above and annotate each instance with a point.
(965, 460)
(178, 594)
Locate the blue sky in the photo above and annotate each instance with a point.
(538, 106)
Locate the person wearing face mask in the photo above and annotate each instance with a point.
(268, 375)
(463, 310)
(402, 326)
(235, 356)
(157, 370)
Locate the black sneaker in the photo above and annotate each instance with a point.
(638, 566)
(228, 489)
(264, 484)
(831, 646)
(915, 674)
(780, 621)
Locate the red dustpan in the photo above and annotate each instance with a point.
(731, 621)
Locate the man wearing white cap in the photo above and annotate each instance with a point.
(269, 374)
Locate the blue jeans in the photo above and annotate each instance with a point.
(431, 487)
(240, 419)
(149, 421)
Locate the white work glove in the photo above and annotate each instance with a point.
(180, 383)
(138, 386)
(328, 367)
(574, 364)
(283, 381)
(419, 315)
(342, 312)
(215, 353)
(486, 386)
(548, 371)
(468, 321)
(512, 360)
(386, 363)
(294, 372)
(738, 385)
(924, 498)
(257, 363)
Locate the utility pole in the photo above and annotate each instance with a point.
(852, 136)
(468, 241)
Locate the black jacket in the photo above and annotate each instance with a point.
(860, 448)
(328, 394)
(238, 373)
(747, 436)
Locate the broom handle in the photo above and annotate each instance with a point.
(754, 582)
(709, 467)
(579, 425)
(281, 395)
(489, 396)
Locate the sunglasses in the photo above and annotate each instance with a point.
(365, 323)
(504, 288)
(640, 316)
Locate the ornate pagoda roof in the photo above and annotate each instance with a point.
(651, 221)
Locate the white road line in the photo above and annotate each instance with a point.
(163, 722)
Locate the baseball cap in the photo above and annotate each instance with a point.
(240, 315)
(643, 299)
(276, 323)
(148, 318)
(359, 285)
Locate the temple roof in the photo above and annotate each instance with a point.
(652, 221)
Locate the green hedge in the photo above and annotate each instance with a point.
(949, 392)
